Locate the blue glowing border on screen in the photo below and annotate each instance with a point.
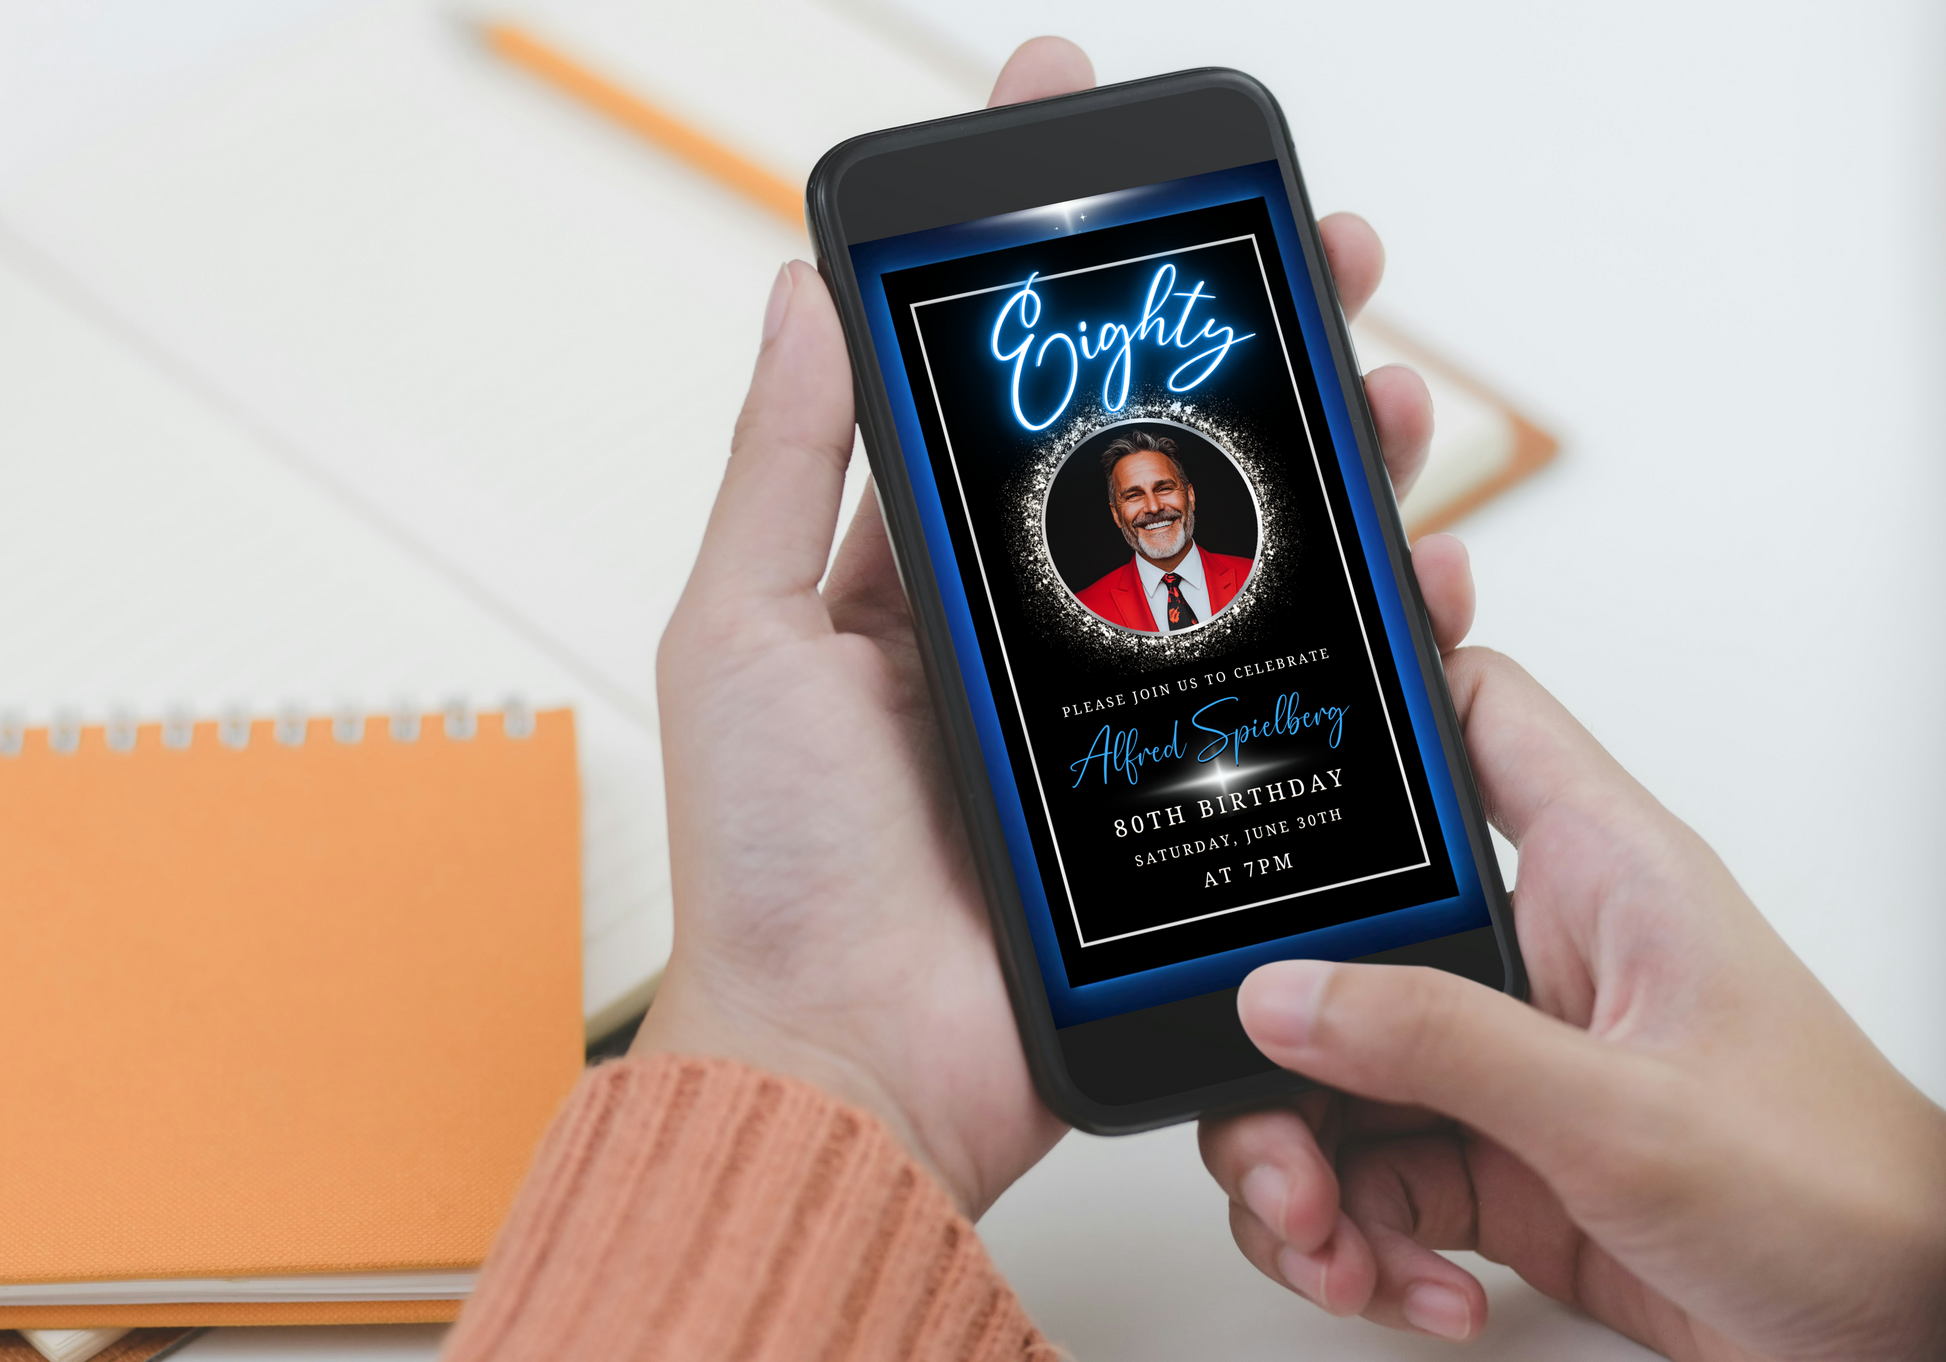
(873, 260)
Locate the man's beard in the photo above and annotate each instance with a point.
(1185, 530)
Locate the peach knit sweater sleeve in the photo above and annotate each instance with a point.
(694, 1208)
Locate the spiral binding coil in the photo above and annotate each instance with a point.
(290, 726)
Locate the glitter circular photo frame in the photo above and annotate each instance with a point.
(1075, 513)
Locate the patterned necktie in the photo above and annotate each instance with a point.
(1180, 615)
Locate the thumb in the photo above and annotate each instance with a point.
(1041, 67)
(769, 533)
(1546, 1090)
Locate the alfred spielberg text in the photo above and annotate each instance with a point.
(1229, 726)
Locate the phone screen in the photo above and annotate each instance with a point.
(1196, 691)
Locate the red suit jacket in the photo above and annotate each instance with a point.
(1118, 597)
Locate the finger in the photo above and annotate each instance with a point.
(1445, 575)
(1547, 1091)
(863, 589)
(1360, 1119)
(1528, 752)
(769, 534)
(1402, 411)
(1356, 258)
(1338, 1276)
(1041, 67)
(1522, 1223)
(1409, 1197)
(1270, 1162)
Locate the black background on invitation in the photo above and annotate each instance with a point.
(1308, 606)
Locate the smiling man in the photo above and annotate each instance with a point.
(1170, 584)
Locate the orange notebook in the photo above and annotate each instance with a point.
(286, 1008)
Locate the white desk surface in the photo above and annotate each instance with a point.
(1698, 240)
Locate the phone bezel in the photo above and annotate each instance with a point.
(933, 182)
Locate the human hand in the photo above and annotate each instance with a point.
(829, 923)
(1684, 1136)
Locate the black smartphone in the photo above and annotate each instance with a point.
(1185, 676)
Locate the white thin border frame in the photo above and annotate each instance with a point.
(1033, 760)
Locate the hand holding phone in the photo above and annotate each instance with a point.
(830, 922)
(830, 927)
(1685, 1136)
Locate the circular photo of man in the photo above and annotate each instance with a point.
(1178, 537)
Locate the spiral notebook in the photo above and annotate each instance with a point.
(289, 1002)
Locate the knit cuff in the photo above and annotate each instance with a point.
(696, 1208)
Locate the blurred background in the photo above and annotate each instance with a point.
(343, 360)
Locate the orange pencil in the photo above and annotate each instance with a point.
(765, 188)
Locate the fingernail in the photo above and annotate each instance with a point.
(1304, 1273)
(1438, 1310)
(1266, 1191)
(780, 301)
(1284, 1000)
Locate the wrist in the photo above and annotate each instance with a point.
(686, 1019)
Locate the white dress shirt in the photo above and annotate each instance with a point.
(1190, 569)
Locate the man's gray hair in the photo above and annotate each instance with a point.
(1139, 442)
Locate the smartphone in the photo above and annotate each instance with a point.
(1187, 685)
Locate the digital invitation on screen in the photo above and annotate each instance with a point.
(1198, 699)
